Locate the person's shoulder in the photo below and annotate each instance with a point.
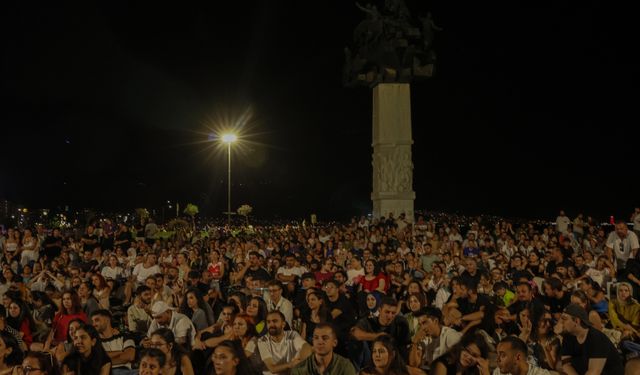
(535, 370)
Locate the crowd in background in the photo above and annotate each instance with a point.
(392, 295)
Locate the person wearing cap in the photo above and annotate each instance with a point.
(164, 316)
(585, 350)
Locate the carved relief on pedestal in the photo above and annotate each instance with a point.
(393, 170)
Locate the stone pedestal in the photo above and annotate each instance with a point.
(392, 165)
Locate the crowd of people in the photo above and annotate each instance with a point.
(435, 295)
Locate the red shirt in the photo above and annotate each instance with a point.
(374, 283)
(61, 324)
(27, 337)
(321, 277)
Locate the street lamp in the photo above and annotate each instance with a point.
(229, 139)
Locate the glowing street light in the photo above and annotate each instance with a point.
(229, 139)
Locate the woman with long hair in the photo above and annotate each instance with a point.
(385, 358)
(194, 306)
(177, 361)
(244, 329)
(101, 290)
(29, 249)
(21, 320)
(63, 349)
(70, 309)
(316, 313)
(41, 362)
(545, 343)
(624, 311)
(10, 353)
(228, 358)
(465, 358)
(88, 356)
(373, 279)
(415, 302)
(88, 301)
(257, 309)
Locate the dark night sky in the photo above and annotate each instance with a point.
(107, 106)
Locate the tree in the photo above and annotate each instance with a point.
(192, 210)
(143, 214)
(245, 210)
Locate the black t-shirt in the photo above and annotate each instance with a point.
(124, 236)
(398, 329)
(467, 277)
(467, 307)
(92, 365)
(596, 345)
(91, 246)
(344, 321)
(259, 274)
(87, 266)
(557, 305)
(552, 266)
(55, 250)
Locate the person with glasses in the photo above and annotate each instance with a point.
(468, 357)
(38, 363)
(277, 302)
(177, 360)
(10, 353)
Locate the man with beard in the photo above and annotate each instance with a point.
(512, 359)
(281, 350)
(324, 360)
(387, 322)
(119, 348)
(139, 314)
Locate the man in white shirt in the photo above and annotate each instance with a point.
(635, 218)
(623, 243)
(562, 223)
(281, 350)
(289, 271)
(277, 302)
(432, 339)
(165, 317)
(512, 359)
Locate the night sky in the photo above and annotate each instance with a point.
(110, 106)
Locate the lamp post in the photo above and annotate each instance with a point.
(229, 139)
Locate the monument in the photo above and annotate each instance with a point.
(391, 49)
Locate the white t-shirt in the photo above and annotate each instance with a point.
(112, 273)
(352, 275)
(141, 273)
(118, 343)
(533, 370)
(636, 222)
(622, 246)
(298, 271)
(562, 224)
(280, 352)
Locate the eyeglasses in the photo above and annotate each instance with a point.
(27, 369)
(156, 344)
